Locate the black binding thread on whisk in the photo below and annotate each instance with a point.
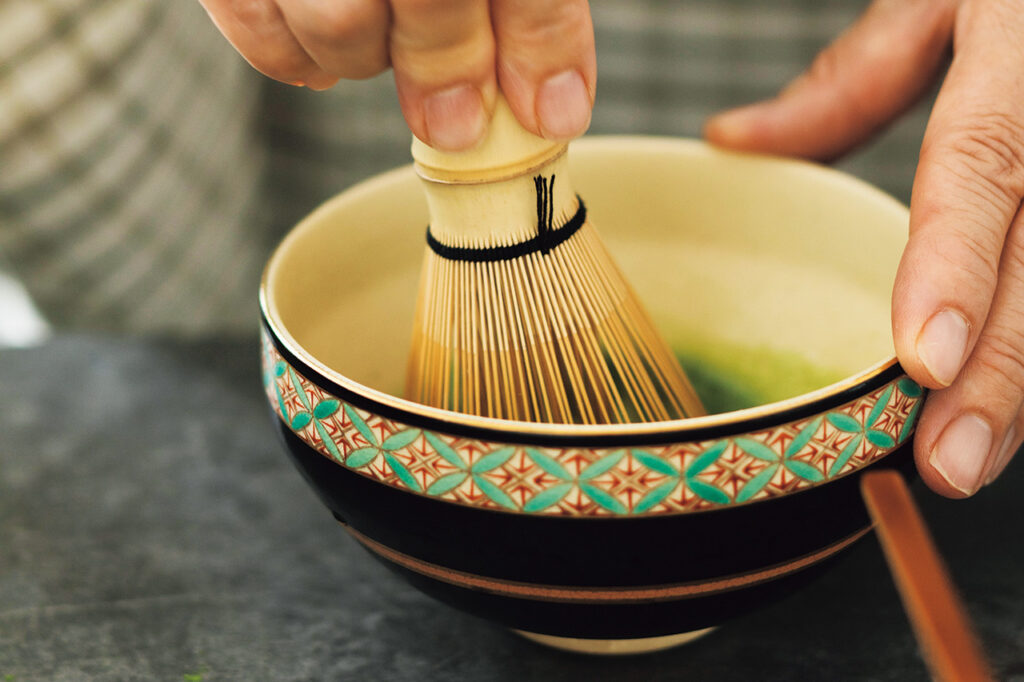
(546, 239)
(544, 210)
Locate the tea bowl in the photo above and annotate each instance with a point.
(770, 278)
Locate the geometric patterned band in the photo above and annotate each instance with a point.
(598, 481)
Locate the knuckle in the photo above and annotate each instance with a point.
(989, 148)
(1000, 358)
(464, 57)
(1011, 266)
(277, 55)
(345, 22)
(989, 20)
(458, 29)
(434, 20)
(254, 14)
(550, 37)
(854, 110)
(976, 255)
(560, 20)
(962, 251)
(826, 67)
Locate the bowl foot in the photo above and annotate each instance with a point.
(615, 647)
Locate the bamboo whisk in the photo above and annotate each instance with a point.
(522, 314)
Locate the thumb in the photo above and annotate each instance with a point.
(872, 73)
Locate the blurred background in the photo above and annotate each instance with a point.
(146, 171)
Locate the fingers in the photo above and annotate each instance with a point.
(967, 190)
(546, 64)
(869, 75)
(258, 30)
(442, 52)
(958, 301)
(447, 55)
(969, 431)
(346, 38)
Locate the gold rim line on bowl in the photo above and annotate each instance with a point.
(678, 427)
(601, 595)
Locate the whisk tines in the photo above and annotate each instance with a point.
(541, 328)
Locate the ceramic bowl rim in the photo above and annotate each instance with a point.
(498, 429)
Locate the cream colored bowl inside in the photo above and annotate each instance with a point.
(776, 273)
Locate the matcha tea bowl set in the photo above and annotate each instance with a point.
(769, 279)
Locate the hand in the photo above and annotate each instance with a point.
(450, 57)
(958, 301)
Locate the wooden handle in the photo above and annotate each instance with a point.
(506, 151)
(487, 196)
(935, 612)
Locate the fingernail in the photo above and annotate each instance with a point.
(455, 118)
(563, 106)
(942, 345)
(960, 454)
(1006, 452)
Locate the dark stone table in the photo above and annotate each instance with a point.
(151, 528)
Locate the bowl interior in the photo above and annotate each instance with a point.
(769, 278)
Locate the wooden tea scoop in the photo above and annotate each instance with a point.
(938, 618)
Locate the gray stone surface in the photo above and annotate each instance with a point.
(151, 528)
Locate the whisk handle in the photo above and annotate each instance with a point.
(507, 150)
